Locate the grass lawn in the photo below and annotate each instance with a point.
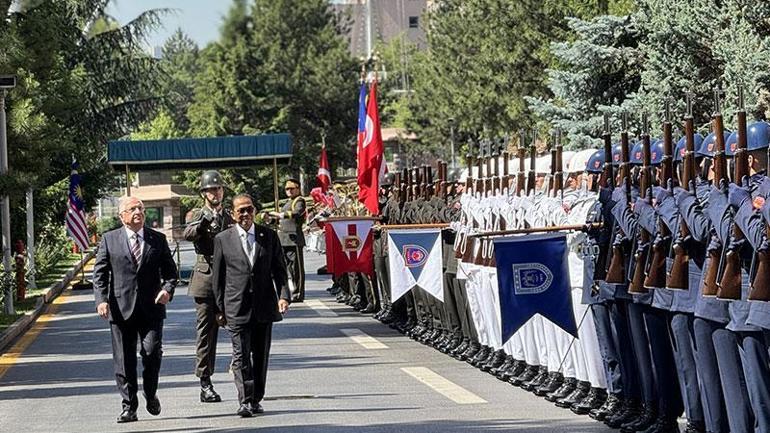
(43, 282)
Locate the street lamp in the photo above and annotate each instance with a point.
(7, 82)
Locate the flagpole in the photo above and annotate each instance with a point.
(413, 226)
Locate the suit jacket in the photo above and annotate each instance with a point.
(247, 293)
(202, 234)
(129, 287)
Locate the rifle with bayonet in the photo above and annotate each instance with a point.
(678, 277)
(532, 165)
(520, 179)
(730, 284)
(644, 237)
(656, 273)
(607, 181)
(559, 173)
(616, 273)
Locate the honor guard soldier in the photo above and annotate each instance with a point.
(206, 223)
(290, 221)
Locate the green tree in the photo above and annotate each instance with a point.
(180, 66)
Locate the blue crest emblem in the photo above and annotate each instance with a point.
(414, 256)
(531, 278)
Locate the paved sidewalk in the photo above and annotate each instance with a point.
(332, 370)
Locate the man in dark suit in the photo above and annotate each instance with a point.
(205, 224)
(249, 283)
(134, 279)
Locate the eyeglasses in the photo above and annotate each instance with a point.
(289, 188)
(245, 210)
(133, 209)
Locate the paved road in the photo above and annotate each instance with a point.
(331, 370)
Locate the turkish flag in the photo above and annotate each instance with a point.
(324, 176)
(371, 161)
(349, 247)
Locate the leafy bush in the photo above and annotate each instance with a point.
(106, 224)
(53, 246)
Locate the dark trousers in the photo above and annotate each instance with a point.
(669, 396)
(714, 411)
(607, 348)
(295, 264)
(124, 339)
(251, 350)
(739, 414)
(621, 339)
(641, 346)
(207, 331)
(753, 350)
(451, 306)
(383, 279)
(683, 342)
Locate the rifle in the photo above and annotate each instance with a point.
(552, 181)
(730, 284)
(496, 170)
(520, 185)
(645, 237)
(616, 273)
(678, 277)
(559, 174)
(506, 183)
(532, 162)
(656, 273)
(608, 177)
(469, 178)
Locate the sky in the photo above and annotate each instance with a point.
(200, 19)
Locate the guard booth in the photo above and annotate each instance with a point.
(198, 153)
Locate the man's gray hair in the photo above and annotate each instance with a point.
(124, 200)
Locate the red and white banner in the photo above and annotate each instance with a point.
(349, 246)
(324, 176)
(371, 160)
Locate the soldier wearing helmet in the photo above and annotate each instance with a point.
(290, 221)
(206, 223)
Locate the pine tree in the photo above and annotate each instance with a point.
(597, 71)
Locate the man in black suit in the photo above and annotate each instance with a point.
(249, 283)
(134, 279)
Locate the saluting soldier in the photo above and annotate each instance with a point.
(206, 223)
(291, 218)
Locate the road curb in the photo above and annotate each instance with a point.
(23, 323)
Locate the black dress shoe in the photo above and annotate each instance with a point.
(594, 400)
(566, 388)
(516, 369)
(554, 381)
(536, 381)
(460, 349)
(257, 409)
(208, 395)
(663, 425)
(495, 361)
(153, 406)
(528, 374)
(369, 309)
(695, 427)
(480, 356)
(647, 417)
(581, 391)
(611, 406)
(630, 411)
(470, 352)
(127, 415)
(244, 411)
(507, 364)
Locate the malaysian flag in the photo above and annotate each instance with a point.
(76, 218)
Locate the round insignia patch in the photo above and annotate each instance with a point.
(414, 256)
(758, 202)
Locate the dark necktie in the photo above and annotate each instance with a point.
(136, 249)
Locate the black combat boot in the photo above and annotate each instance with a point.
(536, 381)
(581, 391)
(496, 360)
(647, 417)
(507, 363)
(528, 374)
(630, 411)
(462, 347)
(473, 349)
(613, 404)
(554, 381)
(566, 388)
(594, 400)
(480, 356)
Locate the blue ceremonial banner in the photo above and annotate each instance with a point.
(415, 260)
(533, 277)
